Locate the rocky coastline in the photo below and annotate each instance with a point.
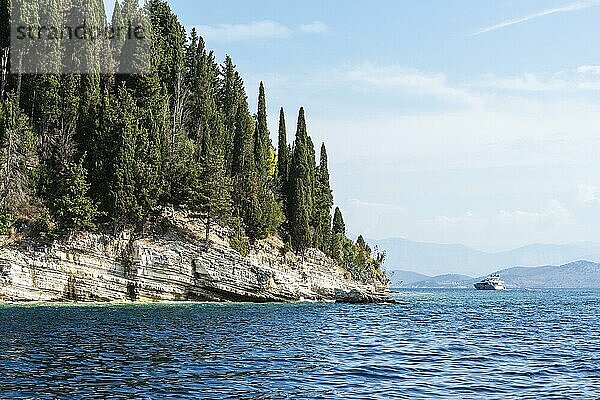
(174, 266)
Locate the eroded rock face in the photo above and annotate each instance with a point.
(103, 268)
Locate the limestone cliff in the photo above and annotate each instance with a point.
(177, 265)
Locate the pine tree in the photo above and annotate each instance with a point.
(113, 149)
(71, 207)
(17, 160)
(211, 192)
(213, 195)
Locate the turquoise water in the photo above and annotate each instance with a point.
(437, 344)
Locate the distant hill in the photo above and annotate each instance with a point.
(434, 259)
(579, 274)
(445, 281)
(406, 278)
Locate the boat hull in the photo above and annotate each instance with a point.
(487, 286)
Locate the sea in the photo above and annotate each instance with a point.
(432, 344)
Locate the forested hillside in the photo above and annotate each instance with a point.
(109, 151)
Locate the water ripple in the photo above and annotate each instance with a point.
(440, 344)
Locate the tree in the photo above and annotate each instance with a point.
(117, 24)
(338, 222)
(283, 159)
(71, 207)
(213, 188)
(263, 149)
(339, 242)
(122, 132)
(168, 40)
(110, 149)
(17, 159)
(323, 204)
(300, 203)
(362, 257)
(269, 214)
(231, 97)
(300, 225)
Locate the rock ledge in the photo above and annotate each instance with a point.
(99, 268)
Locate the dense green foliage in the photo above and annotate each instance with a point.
(110, 151)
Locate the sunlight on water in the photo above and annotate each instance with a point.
(446, 343)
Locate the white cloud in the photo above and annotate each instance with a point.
(576, 6)
(546, 224)
(547, 139)
(243, 32)
(589, 69)
(393, 77)
(258, 30)
(314, 27)
(377, 206)
(529, 82)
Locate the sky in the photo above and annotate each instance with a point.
(451, 122)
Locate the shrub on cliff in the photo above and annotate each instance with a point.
(6, 222)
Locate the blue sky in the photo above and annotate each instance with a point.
(446, 121)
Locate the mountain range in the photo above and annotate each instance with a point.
(579, 274)
(432, 259)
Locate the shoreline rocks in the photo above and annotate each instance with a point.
(103, 268)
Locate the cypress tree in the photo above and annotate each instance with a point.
(269, 214)
(122, 126)
(339, 227)
(129, 9)
(180, 133)
(323, 204)
(168, 40)
(231, 96)
(283, 156)
(246, 187)
(262, 142)
(242, 154)
(338, 237)
(117, 24)
(300, 227)
(300, 203)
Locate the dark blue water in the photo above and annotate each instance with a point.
(440, 344)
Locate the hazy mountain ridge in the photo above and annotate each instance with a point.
(400, 278)
(445, 281)
(575, 275)
(433, 259)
